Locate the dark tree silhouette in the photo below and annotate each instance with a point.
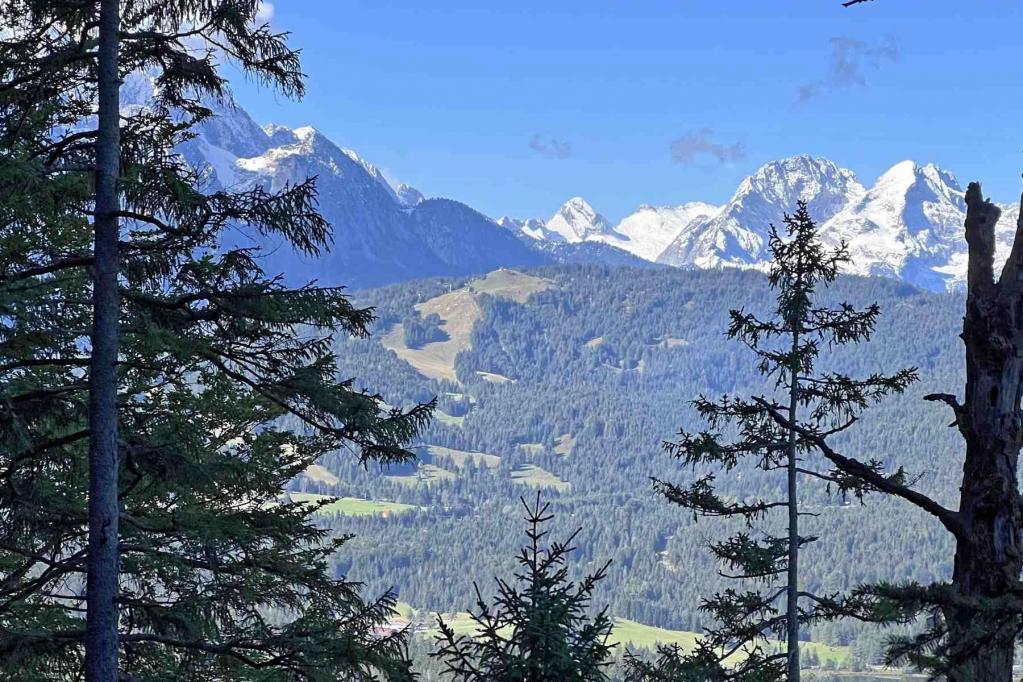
(102, 572)
(222, 379)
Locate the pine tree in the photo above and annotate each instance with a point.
(539, 628)
(787, 348)
(217, 577)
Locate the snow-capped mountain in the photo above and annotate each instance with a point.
(737, 234)
(644, 234)
(908, 225)
(404, 194)
(532, 228)
(408, 196)
(576, 221)
(648, 232)
(381, 233)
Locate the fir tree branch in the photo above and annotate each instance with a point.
(887, 484)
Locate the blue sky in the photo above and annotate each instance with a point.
(515, 107)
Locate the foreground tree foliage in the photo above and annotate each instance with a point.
(974, 621)
(218, 579)
(787, 348)
(539, 628)
(969, 626)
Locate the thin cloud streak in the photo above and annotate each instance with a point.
(686, 149)
(549, 146)
(848, 60)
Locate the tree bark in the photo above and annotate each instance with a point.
(101, 639)
(792, 597)
(988, 560)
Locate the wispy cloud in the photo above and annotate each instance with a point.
(696, 143)
(549, 146)
(848, 60)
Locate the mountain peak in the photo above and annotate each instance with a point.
(408, 196)
(738, 233)
(577, 221)
(304, 133)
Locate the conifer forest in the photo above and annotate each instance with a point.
(270, 414)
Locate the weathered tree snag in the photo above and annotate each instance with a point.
(987, 561)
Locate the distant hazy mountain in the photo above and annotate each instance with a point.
(382, 233)
(651, 229)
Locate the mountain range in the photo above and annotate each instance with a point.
(907, 226)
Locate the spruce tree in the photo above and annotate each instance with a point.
(786, 347)
(216, 577)
(967, 629)
(538, 628)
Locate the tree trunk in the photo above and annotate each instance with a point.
(101, 640)
(792, 598)
(988, 561)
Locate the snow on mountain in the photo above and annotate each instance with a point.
(648, 231)
(404, 194)
(954, 271)
(737, 234)
(408, 196)
(908, 225)
(644, 234)
(576, 221)
(534, 229)
(381, 233)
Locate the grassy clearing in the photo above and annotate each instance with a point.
(351, 506)
(630, 634)
(494, 378)
(460, 457)
(636, 635)
(321, 474)
(564, 444)
(510, 284)
(531, 449)
(425, 475)
(668, 341)
(535, 477)
(459, 311)
(447, 419)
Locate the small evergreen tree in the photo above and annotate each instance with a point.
(539, 628)
(787, 348)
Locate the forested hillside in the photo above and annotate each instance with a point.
(569, 378)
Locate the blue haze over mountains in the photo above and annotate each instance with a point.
(907, 226)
